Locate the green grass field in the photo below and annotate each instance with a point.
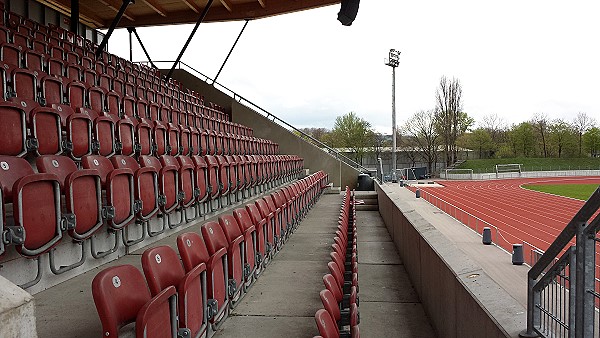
(578, 191)
(533, 164)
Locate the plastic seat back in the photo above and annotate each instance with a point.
(36, 204)
(162, 268)
(332, 285)
(201, 177)
(326, 325)
(13, 130)
(119, 293)
(192, 250)
(330, 304)
(213, 175)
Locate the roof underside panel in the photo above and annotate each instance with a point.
(100, 13)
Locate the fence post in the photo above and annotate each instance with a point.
(585, 273)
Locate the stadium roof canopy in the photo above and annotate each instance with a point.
(100, 13)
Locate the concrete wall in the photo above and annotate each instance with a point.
(460, 299)
(17, 317)
(314, 158)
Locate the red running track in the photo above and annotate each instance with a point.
(520, 215)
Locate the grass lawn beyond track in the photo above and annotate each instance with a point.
(578, 191)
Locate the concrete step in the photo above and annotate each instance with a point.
(332, 190)
(365, 194)
(368, 201)
(367, 207)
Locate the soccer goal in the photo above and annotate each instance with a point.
(509, 170)
(459, 174)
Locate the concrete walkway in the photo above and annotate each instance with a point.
(389, 305)
(285, 297)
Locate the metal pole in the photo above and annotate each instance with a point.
(132, 29)
(74, 24)
(394, 178)
(130, 45)
(200, 19)
(230, 51)
(112, 27)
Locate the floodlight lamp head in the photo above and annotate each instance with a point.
(394, 58)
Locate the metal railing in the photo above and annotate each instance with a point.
(563, 295)
(259, 110)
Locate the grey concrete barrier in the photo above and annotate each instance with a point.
(517, 254)
(487, 236)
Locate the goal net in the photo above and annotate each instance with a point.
(458, 174)
(510, 170)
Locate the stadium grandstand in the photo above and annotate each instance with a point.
(147, 202)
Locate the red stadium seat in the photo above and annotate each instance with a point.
(168, 187)
(269, 233)
(263, 246)
(238, 271)
(225, 182)
(122, 297)
(46, 130)
(193, 251)
(14, 131)
(143, 135)
(326, 324)
(201, 185)
(36, 205)
(162, 269)
(214, 183)
(125, 133)
(252, 257)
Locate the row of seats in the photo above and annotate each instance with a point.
(339, 316)
(115, 193)
(59, 130)
(193, 296)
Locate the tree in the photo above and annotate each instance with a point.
(497, 127)
(522, 138)
(480, 140)
(421, 129)
(451, 121)
(581, 123)
(317, 133)
(591, 141)
(561, 137)
(540, 123)
(350, 131)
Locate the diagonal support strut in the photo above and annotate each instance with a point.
(230, 51)
(200, 19)
(112, 27)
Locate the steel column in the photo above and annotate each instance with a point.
(74, 24)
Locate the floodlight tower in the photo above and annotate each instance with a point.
(393, 61)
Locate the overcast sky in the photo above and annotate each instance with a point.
(513, 58)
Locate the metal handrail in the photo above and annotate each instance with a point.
(256, 108)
